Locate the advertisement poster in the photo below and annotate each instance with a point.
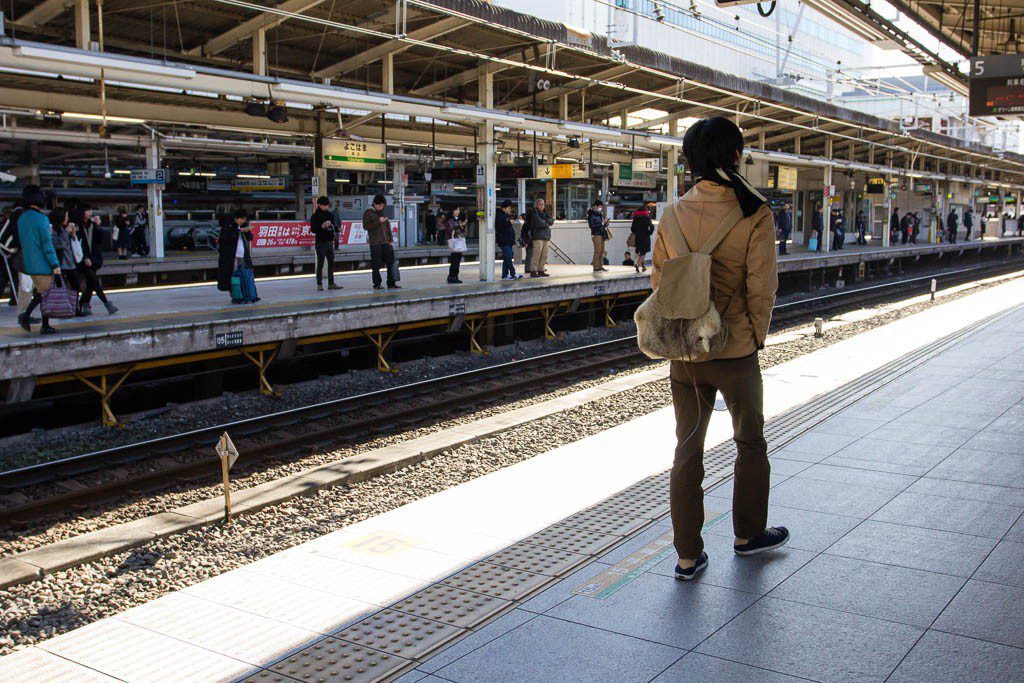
(277, 234)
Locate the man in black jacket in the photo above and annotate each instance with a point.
(784, 225)
(952, 221)
(505, 237)
(598, 233)
(538, 229)
(323, 227)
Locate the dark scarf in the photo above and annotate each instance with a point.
(749, 198)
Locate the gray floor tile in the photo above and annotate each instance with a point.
(946, 658)
(1010, 422)
(885, 451)
(754, 574)
(858, 476)
(928, 435)
(787, 467)
(996, 441)
(562, 590)
(808, 530)
(820, 444)
(660, 609)
(946, 413)
(413, 676)
(982, 467)
(813, 642)
(891, 467)
(698, 667)
(989, 611)
(965, 490)
(632, 544)
(829, 496)
(944, 552)
(798, 456)
(949, 514)
(724, 491)
(849, 426)
(909, 596)
(1004, 565)
(479, 638)
(1016, 532)
(546, 649)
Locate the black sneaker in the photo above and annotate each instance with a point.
(23, 320)
(691, 573)
(46, 329)
(772, 538)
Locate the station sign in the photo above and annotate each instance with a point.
(149, 176)
(562, 171)
(623, 176)
(353, 155)
(875, 185)
(278, 234)
(996, 85)
(257, 184)
(647, 165)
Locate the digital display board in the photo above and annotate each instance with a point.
(997, 85)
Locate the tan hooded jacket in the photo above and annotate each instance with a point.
(744, 276)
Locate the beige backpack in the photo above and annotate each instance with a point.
(679, 321)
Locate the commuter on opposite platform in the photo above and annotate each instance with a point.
(627, 260)
(382, 251)
(430, 221)
(140, 224)
(537, 228)
(10, 251)
(816, 227)
(906, 223)
(455, 233)
(968, 224)
(837, 224)
(39, 259)
(743, 285)
(325, 231)
(915, 227)
(952, 221)
(598, 225)
(505, 238)
(91, 262)
(784, 227)
(642, 228)
(122, 233)
(862, 228)
(234, 262)
(894, 226)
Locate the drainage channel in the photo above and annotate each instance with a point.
(399, 637)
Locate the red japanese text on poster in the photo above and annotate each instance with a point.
(276, 234)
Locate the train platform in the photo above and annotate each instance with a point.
(895, 464)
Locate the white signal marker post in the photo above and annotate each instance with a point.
(228, 454)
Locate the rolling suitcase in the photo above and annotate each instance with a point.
(249, 286)
(812, 244)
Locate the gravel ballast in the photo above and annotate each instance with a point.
(67, 599)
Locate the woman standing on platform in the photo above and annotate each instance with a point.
(234, 255)
(92, 261)
(455, 234)
(743, 284)
(122, 233)
(642, 229)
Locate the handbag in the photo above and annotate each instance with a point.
(457, 245)
(631, 240)
(59, 301)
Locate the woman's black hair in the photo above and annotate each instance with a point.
(57, 216)
(241, 213)
(712, 144)
(32, 195)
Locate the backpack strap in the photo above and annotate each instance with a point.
(727, 224)
(672, 233)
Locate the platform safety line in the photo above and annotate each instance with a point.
(608, 582)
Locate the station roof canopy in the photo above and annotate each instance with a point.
(428, 57)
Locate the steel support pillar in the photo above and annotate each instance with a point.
(475, 325)
(486, 195)
(83, 30)
(106, 390)
(381, 341)
(259, 52)
(673, 159)
(262, 361)
(155, 201)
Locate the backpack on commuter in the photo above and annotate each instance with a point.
(679, 321)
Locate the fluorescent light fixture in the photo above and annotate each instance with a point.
(122, 171)
(460, 187)
(385, 182)
(99, 117)
(99, 59)
(259, 176)
(665, 140)
(483, 114)
(205, 175)
(596, 130)
(343, 180)
(333, 94)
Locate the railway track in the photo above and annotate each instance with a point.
(76, 484)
